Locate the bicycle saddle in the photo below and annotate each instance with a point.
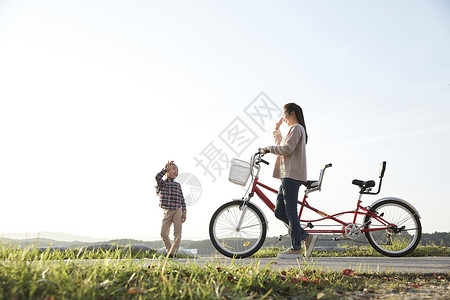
(364, 184)
(311, 184)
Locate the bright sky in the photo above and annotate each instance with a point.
(96, 96)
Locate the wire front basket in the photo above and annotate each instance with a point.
(239, 172)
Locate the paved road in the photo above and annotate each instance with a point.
(427, 265)
(420, 265)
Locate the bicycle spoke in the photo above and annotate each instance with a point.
(249, 226)
(401, 222)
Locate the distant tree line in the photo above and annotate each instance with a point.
(437, 238)
(205, 247)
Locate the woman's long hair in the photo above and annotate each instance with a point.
(292, 107)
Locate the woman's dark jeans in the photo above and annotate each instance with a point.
(286, 210)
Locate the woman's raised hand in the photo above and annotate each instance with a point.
(277, 126)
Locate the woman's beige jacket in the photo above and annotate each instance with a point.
(291, 154)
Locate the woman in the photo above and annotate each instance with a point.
(290, 167)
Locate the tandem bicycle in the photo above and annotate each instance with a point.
(238, 228)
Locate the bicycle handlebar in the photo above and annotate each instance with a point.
(260, 155)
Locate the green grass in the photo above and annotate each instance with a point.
(30, 274)
(33, 253)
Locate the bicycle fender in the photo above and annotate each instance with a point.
(400, 200)
(262, 212)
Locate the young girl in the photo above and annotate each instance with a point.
(290, 167)
(174, 206)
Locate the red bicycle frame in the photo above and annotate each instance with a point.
(360, 210)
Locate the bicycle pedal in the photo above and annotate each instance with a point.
(337, 238)
(282, 236)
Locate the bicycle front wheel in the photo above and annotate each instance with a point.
(236, 242)
(396, 231)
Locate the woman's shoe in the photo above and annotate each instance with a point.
(290, 253)
(310, 243)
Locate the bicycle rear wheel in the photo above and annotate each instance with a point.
(234, 242)
(399, 239)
